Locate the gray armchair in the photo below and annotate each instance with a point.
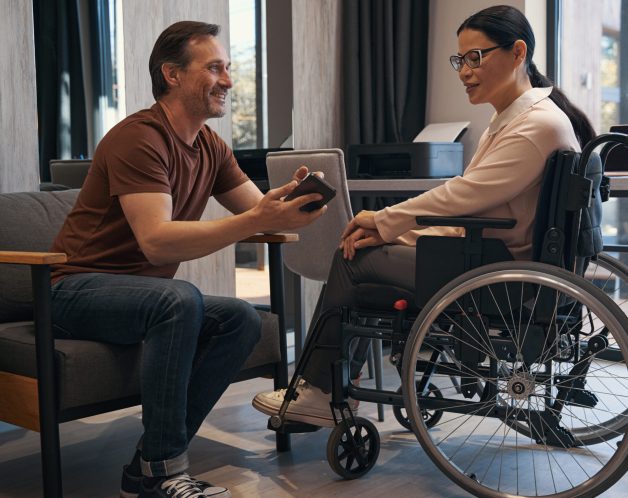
(46, 381)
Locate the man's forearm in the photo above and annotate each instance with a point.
(177, 241)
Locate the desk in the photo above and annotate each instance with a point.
(413, 186)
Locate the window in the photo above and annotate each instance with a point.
(78, 56)
(245, 68)
(592, 69)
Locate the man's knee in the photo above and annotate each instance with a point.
(181, 300)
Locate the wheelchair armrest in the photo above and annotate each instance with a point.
(468, 222)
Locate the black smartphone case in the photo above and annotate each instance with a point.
(309, 185)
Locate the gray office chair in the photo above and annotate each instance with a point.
(69, 172)
(312, 256)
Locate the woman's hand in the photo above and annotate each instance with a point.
(361, 232)
(364, 219)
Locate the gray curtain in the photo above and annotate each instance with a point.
(385, 69)
(385, 75)
(61, 116)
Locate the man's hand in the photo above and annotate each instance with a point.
(361, 232)
(274, 214)
(300, 173)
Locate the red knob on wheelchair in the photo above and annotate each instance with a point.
(400, 305)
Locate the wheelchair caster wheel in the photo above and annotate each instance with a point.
(276, 422)
(352, 448)
(430, 417)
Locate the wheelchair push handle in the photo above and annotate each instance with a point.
(609, 138)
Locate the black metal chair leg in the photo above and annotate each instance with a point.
(48, 424)
(379, 374)
(282, 442)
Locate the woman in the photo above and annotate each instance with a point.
(531, 120)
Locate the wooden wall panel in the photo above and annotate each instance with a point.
(317, 82)
(581, 55)
(19, 156)
(143, 21)
(317, 76)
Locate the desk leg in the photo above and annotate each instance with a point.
(277, 306)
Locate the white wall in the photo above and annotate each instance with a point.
(19, 155)
(446, 99)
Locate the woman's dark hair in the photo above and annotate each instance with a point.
(171, 47)
(504, 25)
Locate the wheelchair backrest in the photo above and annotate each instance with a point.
(567, 230)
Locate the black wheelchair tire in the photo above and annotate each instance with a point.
(350, 442)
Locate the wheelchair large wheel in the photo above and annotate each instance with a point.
(611, 276)
(526, 342)
(353, 448)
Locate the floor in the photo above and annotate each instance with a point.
(233, 448)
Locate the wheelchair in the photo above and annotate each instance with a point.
(513, 373)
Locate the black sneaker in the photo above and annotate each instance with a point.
(183, 486)
(130, 485)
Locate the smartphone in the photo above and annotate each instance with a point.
(311, 184)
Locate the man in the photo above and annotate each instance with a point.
(135, 220)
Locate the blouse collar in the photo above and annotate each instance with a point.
(519, 105)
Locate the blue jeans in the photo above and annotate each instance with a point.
(194, 345)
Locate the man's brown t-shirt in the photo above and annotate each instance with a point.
(141, 154)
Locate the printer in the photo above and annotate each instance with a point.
(436, 152)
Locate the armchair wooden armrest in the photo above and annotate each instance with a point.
(272, 238)
(32, 258)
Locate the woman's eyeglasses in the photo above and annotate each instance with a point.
(473, 58)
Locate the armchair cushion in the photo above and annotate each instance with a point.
(90, 372)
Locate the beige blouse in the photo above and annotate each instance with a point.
(502, 180)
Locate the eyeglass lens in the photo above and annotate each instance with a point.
(473, 59)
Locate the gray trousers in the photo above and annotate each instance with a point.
(387, 265)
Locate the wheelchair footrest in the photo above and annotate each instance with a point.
(546, 429)
(583, 399)
(289, 427)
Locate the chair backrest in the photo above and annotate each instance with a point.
(69, 172)
(311, 257)
(29, 221)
